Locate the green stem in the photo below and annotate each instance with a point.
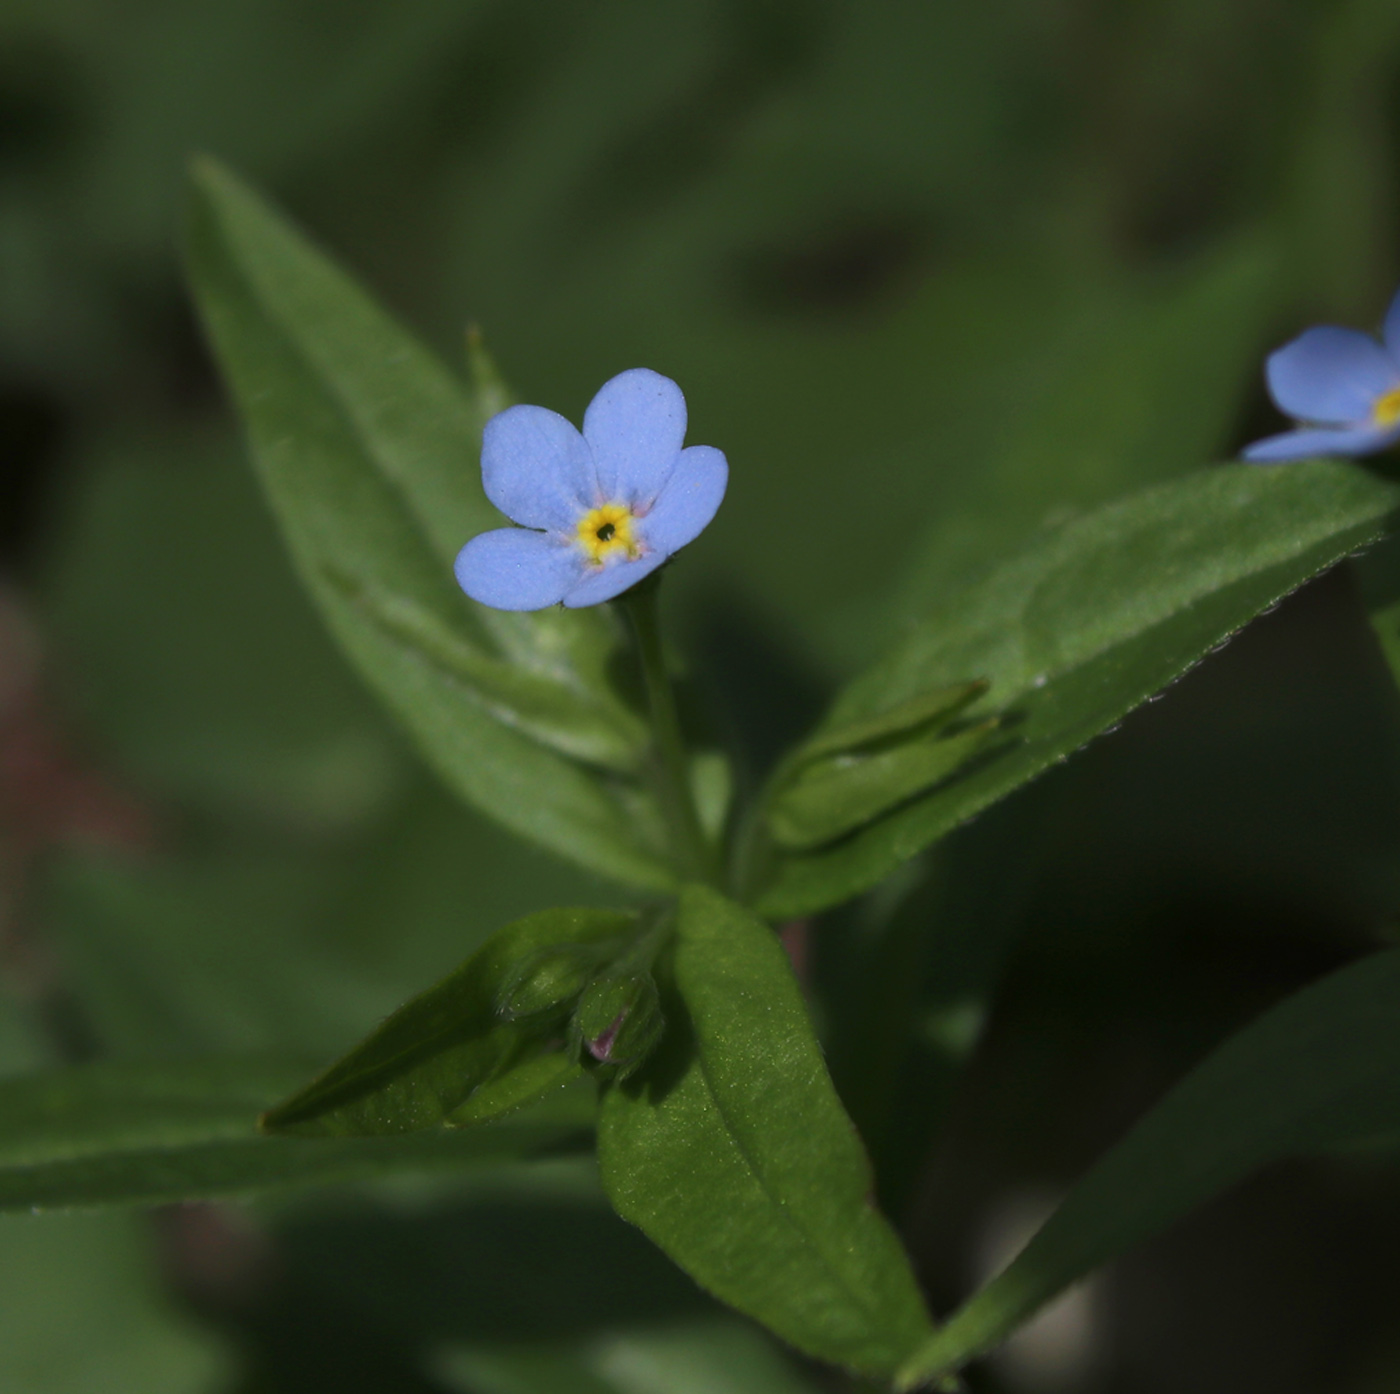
(691, 852)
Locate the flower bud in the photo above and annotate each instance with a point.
(618, 1020)
(549, 980)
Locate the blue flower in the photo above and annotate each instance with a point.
(1342, 386)
(597, 510)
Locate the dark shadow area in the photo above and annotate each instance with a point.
(33, 432)
(496, 1269)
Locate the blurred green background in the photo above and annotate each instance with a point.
(932, 275)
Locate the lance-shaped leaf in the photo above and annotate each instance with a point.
(732, 1152)
(1320, 1071)
(848, 772)
(449, 1056)
(836, 795)
(1088, 622)
(368, 452)
(125, 1133)
(576, 723)
(923, 714)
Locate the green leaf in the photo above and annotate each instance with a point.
(834, 796)
(367, 450)
(265, 940)
(147, 1133)
(1087, 623)
(731, 1151)
(448, 1056)
(849, 772)
(1318, 1072)
(572, 722)
(925, 712)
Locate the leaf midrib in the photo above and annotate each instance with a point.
(863, 1301)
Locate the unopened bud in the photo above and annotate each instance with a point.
(618, 1020)
(548, 980)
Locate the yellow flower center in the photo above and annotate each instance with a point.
(605, 534)
(1386, 411)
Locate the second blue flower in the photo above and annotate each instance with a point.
(1343, 387)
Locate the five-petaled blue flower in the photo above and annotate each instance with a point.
(597, 510)
(1342, 386)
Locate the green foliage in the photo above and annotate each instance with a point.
(548, 982)
(309, 878)
(450, 1055)
(944, 282)
(1320, 1071)
(366, 449)
(1090, 621)
(122, 1134)
(1010, 675)
(837, 795)
(850, 772)
(538, 706)
(732, 1152)
(922, 714)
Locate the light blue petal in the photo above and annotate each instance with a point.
(603, 585)
(635, 427)
(511, 569)
(689, 500)
(1391, 330)
(1302, 445)
(1331, 376)
(537, 469)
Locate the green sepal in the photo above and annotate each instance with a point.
(618, 1020)
(447, 1056)
(552, 979)
(528, 1078)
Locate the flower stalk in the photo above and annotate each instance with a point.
(692, 853)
